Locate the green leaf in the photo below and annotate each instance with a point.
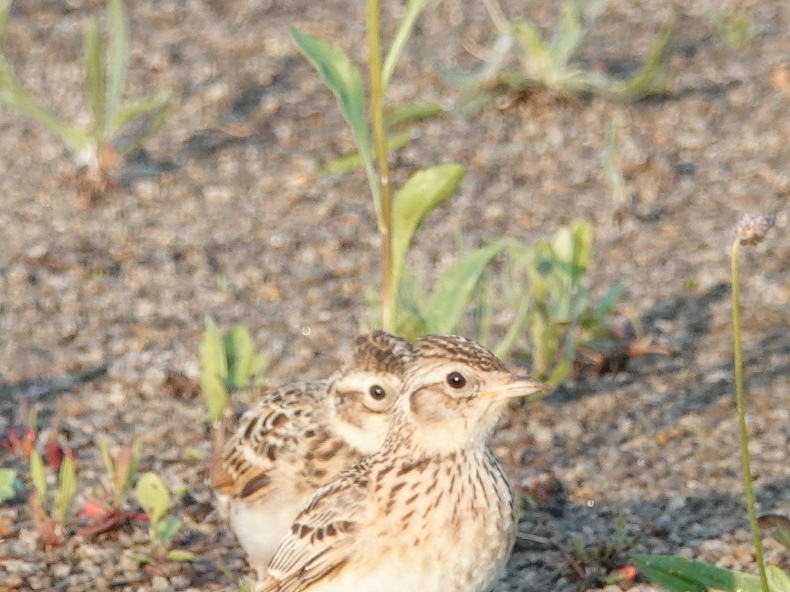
(412, 112)
(94, 72)
(152, 495)
(559, 372)
(454, 288)
(779, 525)
(351, 161)
(38, 475)
(153, 108)
(106, 457)
(180, 555)
(413, 10)
(118, 67)
(612, 172)
(681, 575)
(343, 78)
(67, 489)
(569, 33)
(608, 300)
(14, 97)
(583, 235)
(650, 76)
(213, 370)
(777, 579)
(240, 352)
(8, 484)
(421, 194)
(167, 528)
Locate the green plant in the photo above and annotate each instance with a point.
(557, 308)
(677, 574)
(736, 30)
(682, 575)
(543, 287)
(552, 61)
(95, 149)
(121, 470)
(442, 310)
(613, 173)
(154, 498)
(602, 564)
(49, 516)
(228, 362)
(398, 218)
(9, 485)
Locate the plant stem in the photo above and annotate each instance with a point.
(380, 144)
(741, 412)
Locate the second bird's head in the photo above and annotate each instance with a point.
(361, 395)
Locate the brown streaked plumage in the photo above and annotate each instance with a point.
(432, 510)
(301, 435)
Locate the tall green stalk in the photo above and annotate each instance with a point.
(741, 412)
(380, 145)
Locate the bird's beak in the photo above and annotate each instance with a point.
(517, 386)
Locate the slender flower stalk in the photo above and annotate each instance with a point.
(380, 144)
(750, 231)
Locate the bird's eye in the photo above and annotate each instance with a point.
(456, 380)
(377, 392)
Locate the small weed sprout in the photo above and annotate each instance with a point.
(228, 362)
(50, 515)
(560, 314)
(679, 575)
(9, 485)
(121, 470)
(154, 498)
(96, 149)
(552, 61)
(736, 30)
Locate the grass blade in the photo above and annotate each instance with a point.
(94, 73)
(454, 288)
(154, 109)
(412, 112)
(343, 78)
(413, 10)
(681, 575)
(650, 77)
(421, 194)
(349, 162)
(118, 67)
(67, 489)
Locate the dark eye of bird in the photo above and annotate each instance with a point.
(456, 380)
(377, 392)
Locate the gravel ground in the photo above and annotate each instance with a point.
(102, 307)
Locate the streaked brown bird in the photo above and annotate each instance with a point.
(431, 511)
(300, 436)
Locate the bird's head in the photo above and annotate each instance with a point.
(360, 395)
(454, 391)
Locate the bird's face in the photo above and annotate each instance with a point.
(360, 402)
(361, 395)
(455, 391)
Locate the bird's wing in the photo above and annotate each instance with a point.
(321, 539)
(265, 434)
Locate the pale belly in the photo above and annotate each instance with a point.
(260, 528)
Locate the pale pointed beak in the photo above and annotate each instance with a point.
(518, 386)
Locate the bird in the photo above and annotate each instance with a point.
(432, 510)
(301, 435)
